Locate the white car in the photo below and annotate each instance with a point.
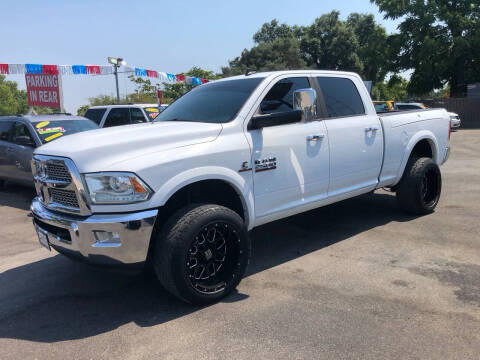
(454, 118)
(125, 114)
(228, 156)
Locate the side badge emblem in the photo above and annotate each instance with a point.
(245, 167)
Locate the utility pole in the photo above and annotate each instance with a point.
(116, 62)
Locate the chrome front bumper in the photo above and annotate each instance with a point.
(102, 239)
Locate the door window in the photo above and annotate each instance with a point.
(117, 116)
(21, 134)
(5, 127)
(341, 97)
(95, 115)
(137, 116)
(280, 96)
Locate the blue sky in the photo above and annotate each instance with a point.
(170, 36)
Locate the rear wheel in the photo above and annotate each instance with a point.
(202, 252)
(419, 189)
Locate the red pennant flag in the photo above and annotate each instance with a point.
(180, 78)
(93, 69)
(204, 81)
(49, 69)
(4, 69)
(152, 73)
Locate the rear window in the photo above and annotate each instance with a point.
(408, 107)
(50, 130)
(341, 97)
(95, 115)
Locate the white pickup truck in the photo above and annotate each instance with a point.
(181, 193)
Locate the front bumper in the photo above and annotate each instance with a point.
(101, 239)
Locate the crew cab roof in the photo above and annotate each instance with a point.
(122, 105)
(287, 72)
(43, 117)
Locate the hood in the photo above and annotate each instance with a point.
(98, 150)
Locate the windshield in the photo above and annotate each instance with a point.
(50, 130)
(215, 102)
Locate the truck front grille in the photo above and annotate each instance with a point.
(57, 171)
(64, 197)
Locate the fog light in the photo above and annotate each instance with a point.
(106, 239)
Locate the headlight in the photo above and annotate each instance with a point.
(116, 188)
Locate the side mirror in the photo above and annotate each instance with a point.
(304, 100)
(24, 141)
(282, 118)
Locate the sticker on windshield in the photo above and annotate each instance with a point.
(54, 136)
(51, 130)
(42, 124)
(152, 109)
(153, 115)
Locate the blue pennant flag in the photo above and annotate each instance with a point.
(196, 81)
(33, 68)
(140, 72)
(79, 69)
(171, 78)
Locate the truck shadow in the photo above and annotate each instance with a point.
(56, 300)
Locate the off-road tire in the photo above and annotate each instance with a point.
(173, 248)
(412, 194)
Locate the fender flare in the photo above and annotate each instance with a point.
(414, 140)
(188, 177)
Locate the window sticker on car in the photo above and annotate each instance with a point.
(152, 109)
(42, 124)
(153, 115)
(51, 130)
(54, 136)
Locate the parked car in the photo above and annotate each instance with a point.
(384, 106)
(226, 157)
(20, 135)
(115, 115)
(454, 118)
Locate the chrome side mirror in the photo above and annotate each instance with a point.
(304, 99)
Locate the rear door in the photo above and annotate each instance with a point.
(355, 137)
(96, 115)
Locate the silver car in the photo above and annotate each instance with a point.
(20, 135)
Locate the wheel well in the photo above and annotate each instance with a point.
(422, 149)
(206, 191)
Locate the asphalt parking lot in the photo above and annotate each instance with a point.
(355, 280)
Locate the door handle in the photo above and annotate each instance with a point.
(371, 128)
(315, 137)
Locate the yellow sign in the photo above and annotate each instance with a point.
(42, 124)
(152, 109)
(54, 136)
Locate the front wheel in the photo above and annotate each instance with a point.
(419, 189)
(202, 253)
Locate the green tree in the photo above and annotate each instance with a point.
(12, 100)
(394, 89)
(278, 54)
(439, 39)
(172, 92)
(373, 49)
(330, 43)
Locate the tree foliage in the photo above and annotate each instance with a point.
(393, 89)
(439, 39)
(358, 44)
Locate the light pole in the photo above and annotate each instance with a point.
(116, 62)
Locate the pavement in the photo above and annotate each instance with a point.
(355, 280)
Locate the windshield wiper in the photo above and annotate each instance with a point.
(177, 119)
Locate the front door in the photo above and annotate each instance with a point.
(290, 162)
(20, 156)
(356, 138)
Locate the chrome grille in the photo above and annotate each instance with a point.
(64, 197)
(59, 185)
(57, 171)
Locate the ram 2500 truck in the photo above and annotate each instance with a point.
(182, 192)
